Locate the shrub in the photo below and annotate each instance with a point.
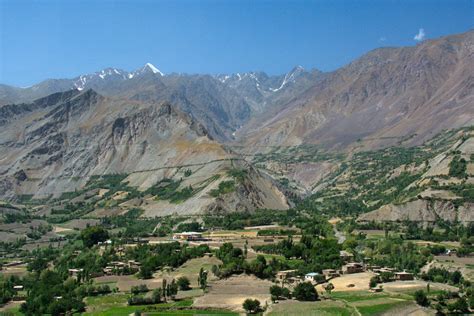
(251, 306)
(421, 298)
(142, 288)
(183, 284)
(373, 282)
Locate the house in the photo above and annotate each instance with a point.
(107, 242)
(352, 267)
(284, 275)
(346, 256)
(372, 267)
(403, 276)
(18, 288)
(450, 252)
(134, 265)
(108, 270)
(115, 267)
(313, 277)
(13, 263)
(74, 272)
(384, 270)
(330, 273)
(188, 236)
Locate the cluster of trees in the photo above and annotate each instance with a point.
(93, 290)
(153, 257)
(233, 262)
(457, 167)
(447, 231)
(168, 189)
(446, 302)
(397, 253)
(167, 290)
(189, 227)
(39, 231)
(223, 188)
(442, 275)
(317, 253)
(6, 287)
(51, 293)
(304, 291)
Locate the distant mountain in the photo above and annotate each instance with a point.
(380, 99)
(261, 90)
(222, 103)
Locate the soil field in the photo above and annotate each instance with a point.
(19, 270)
(231, 293)
(359, 280)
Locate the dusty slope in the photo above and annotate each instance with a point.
(54, 144)
(387, 96)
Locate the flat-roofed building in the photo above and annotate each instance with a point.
(404, 276)
(353, 267)
(284, 275)
(189, 236)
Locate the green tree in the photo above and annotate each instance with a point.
(202, 278)
(305, 292)
(329, 288)
(373, 282)
(93, 235)
(173, 289)
(146, 270)
(251, 306)
(276, 291)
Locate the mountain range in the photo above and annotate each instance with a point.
(148, 125)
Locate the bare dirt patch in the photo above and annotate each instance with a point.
(360, 281)
(231, 293)
(58, 229)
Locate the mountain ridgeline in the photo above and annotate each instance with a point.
(239, 142)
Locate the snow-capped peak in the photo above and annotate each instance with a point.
(152, 68)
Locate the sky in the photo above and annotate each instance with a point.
(65, 38)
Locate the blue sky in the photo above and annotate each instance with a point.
(62, 39)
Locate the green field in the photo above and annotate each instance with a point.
(378, 309)
(116, 304)
(324, 308)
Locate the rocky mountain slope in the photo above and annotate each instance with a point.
(57, 143)
(389, 95)
(444, 187)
